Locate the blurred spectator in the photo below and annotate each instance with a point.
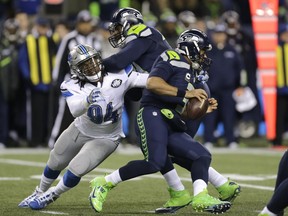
(61, 29)
(24, 25)
(168, 27)
(186, 20)
(224, 78)
(150, 19)
(283, 11)
(84, 34)
(282, 86)
(9, 80)
(244, 45)
(36, 57)
(105, 9)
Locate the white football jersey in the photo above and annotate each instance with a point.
(102, 119)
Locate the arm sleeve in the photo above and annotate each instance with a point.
(137, 79)
(76, 102)
(77, 105)
(130, 53)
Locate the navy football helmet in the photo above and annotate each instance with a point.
(121, 22)
(194, 44)
(85, 63)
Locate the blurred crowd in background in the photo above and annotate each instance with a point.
(36, 36)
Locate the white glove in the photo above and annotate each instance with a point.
(202, 76)
(95, 96)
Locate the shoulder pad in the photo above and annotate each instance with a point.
(139, 30)
(174, 59)
(170, 55)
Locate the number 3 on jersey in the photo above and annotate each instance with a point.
(95, 113)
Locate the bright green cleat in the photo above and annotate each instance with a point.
(100, 189)
(178, 200)
(229, 191)
(204, 202)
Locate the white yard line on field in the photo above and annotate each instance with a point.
(157, 176)
(133, 149)
(54, 212)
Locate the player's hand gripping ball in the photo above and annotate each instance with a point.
(195, 108)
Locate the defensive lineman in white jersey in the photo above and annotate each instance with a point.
(96, 99)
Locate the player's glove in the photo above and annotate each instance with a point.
(202, 76)
(95, 96)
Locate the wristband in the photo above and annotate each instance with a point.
(181, 93)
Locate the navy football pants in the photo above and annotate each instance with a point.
(157, 140)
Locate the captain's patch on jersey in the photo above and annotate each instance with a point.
(116, 83)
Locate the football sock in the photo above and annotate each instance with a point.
(198, 186)
(114, 177)
(61, 188)
(173, 180)
(70, 180)
(267, 211)
(215, 178)
(47, 178)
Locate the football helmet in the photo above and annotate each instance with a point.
(86, 63)
(121, 22)
(194, 44)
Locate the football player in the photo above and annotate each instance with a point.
(141, 45)
(278, 201)
(168, 88)
(95, 98)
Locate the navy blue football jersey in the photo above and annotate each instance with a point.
(175, 70)
(142, 46)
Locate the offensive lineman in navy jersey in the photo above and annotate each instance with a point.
(141, 45)
(159, 124)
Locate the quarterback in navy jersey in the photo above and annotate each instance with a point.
(160, 129)
(141, 45)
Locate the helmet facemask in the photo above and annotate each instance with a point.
(121, 22)
(117, 37)
(86, 63)
(91, 69)
(194, 44)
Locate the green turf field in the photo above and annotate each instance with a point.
(253, 168)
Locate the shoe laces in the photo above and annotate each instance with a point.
(35, 192)
(100, 193)
(45, 198)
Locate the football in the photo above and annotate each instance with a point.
(195, 109)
